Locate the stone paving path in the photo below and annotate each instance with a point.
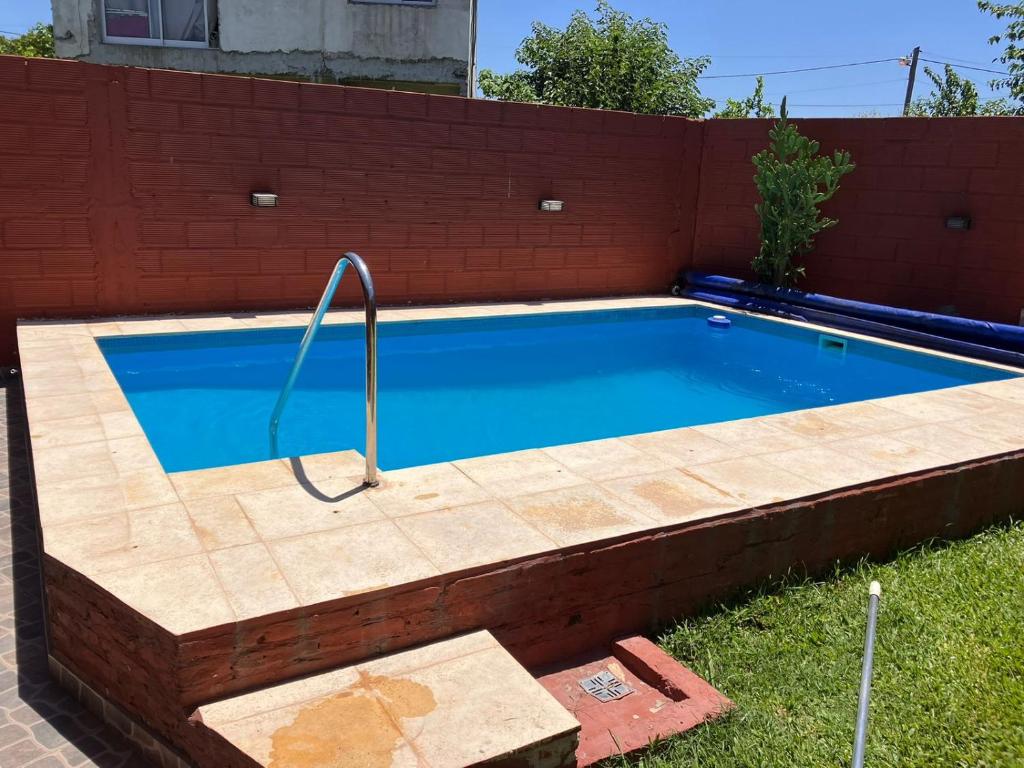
(41, 725)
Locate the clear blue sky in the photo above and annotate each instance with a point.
(754, 36)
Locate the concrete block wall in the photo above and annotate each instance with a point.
(126, 190)
(891, 244)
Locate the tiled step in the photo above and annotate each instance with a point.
(458, 702)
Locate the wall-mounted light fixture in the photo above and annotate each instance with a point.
(551, 206)
(263, 199)
(958, 222)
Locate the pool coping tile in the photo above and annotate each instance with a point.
(94, 467)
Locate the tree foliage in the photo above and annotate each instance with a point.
(38, 41)
(752, 106)
(609, 61)
(955, 96)
(1013, 52)
(793, 181)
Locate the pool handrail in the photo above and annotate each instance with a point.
(370, 304)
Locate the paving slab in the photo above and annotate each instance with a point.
(457, 702)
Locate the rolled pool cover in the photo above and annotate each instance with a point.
(837, 319)
(980, 332)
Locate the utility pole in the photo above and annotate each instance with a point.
(910, 80)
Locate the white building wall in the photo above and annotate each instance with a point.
(343, 39)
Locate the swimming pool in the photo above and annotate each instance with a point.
(458, 388)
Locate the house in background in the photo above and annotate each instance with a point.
(417, 45)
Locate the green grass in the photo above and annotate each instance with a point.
(949, 665)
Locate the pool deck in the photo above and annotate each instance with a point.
(211, 555)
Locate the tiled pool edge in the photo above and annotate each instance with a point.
(605, 591)
(234, 653)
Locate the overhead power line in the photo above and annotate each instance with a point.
(964, 66)
(802, 69)
(848, 105)
(956, 58)
(846, 85)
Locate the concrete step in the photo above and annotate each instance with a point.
(647, 695)
(457, 702)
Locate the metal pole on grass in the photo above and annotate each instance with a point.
(859, 739)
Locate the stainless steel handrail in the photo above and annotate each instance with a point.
(370, 303)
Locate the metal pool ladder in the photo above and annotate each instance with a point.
(370, 304)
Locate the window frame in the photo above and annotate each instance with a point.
(158, 42)
(407, 3)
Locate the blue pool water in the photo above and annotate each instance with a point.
(452, 389)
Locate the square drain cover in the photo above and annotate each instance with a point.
(604, 686)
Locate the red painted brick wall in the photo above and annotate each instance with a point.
(127, 190)
(891, 245)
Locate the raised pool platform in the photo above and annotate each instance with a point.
(168, 592)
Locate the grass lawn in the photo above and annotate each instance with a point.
(949, 665)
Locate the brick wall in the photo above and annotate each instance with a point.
(891, 245)
(127, 190)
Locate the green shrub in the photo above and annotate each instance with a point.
(793, 181)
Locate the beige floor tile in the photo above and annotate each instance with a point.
(119, 424)
(683, 447)
(826, 468)
(514, 474)
(889, 454)
(123, 540)
(579, 514)
(349, 728)
(132, 454)
(1007, 389)
(460, 538)
(950, 442)
(109, 401)
(605, 459)
(34, 330)
(210, 323)
(752, 436)
(471, 694)
(319, 506)
(240, 478)
(55, 386)
(251, 580)
(258, 703)
(869, 417)
(430, 654)
(940, 404)
(68, 462)
(814, 425)
(150, 325)
(753, 480)
(80, 498)
(104, 327)
(182, 595)
(220, 522)
(59, 407)
(424, 489)
(43, 351)
(672, 496)
(55, 367)
(286, 320)
(346, 561)
(86, 428)
(1005, 428)
(448, 704)
(324, 466)
(93, 363)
